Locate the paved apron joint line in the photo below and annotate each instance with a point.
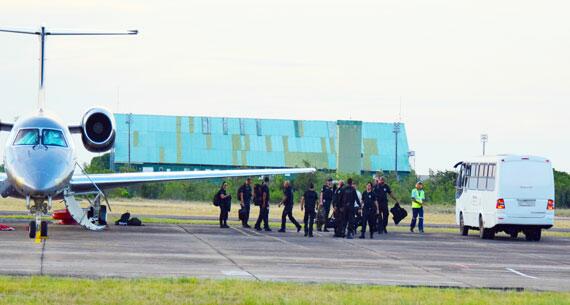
(219, 252)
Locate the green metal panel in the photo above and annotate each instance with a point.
(246, 142)
(298, 159)
(349, 146)
(161, 155)
(209, 142)
(268, 144)
(191, 125)
(285, 143)
(236, 142)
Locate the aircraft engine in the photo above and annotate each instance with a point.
(98, 130)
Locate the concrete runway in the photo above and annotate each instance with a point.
(205, 251)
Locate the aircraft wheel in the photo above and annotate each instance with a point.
(462, 228)
(514, 234)
(32, 229)
(103, 215)
(44, 229)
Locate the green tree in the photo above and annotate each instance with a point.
(562, 189)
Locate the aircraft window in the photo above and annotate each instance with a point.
(51, 137)
(28, 137)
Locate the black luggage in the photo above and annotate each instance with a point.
(134, 222)
(331, 224)
(321, 217)
(241, 214)
(398, 213)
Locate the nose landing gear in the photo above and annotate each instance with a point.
(38, 228)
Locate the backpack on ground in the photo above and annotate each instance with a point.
(134, 222)
(257, 194)
(123, 220)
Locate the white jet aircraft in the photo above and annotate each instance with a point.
(40, 160)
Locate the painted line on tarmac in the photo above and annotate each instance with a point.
(241, 231)
(220, 252)
(278, 239)
(521, 274)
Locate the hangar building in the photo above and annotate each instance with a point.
(162, 143)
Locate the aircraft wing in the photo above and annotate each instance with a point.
(86, 183)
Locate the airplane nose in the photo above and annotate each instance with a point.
(40, 181)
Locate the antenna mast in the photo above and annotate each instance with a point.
(42, 33)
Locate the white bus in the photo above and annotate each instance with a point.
(505, 193)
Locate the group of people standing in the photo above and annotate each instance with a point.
(346, 201)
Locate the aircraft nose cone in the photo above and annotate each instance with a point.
(40, 181)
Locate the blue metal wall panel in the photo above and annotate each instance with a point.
(168, 139)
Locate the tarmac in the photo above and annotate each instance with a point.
(206, 251)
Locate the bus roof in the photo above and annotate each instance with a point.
(504, 157)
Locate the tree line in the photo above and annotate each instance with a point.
(439, 187)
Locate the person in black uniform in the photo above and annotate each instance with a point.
(349, 199)
(369, 208)
(264, 207)
(309, 203)
(225, 201)
(245, 195)
(288, 209)
(325, 203)
(382, 190)
(338, 210)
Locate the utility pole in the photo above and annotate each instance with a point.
(484, 139)
(396, 131)
(128, 122)
(412, 154)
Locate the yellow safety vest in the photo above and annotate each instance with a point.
(418, 197)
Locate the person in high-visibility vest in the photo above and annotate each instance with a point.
(418, 201)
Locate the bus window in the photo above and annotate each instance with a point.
(482, 181)
(491, 179)
(466, 175)
(473, 176)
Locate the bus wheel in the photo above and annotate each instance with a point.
(485, 233)
(462, 228)
(533, 234)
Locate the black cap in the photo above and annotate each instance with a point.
(330, 179)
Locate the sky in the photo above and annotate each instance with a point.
(450, 70)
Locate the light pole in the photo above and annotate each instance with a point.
(396, 131)
(412, 154)
(484, 139)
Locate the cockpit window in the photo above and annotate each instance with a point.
(51, 137)
(28, 137)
